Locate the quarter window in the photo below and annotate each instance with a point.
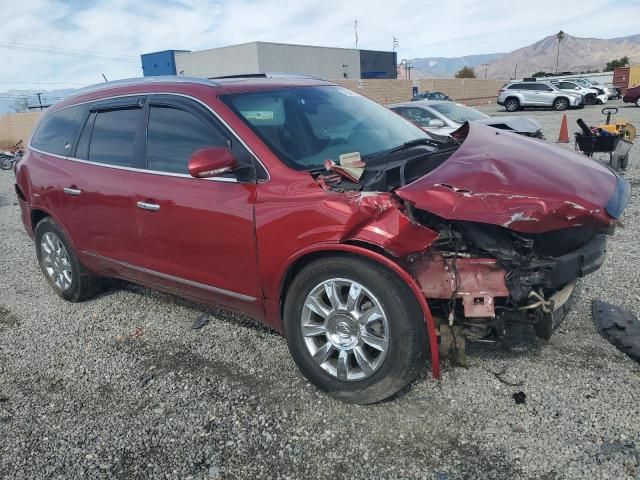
(113, 139)
(172, 137)
(58, 130)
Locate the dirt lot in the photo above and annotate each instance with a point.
(123, 387)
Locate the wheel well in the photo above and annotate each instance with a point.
(564, 98)
(305, 260)
(511, 97)
(36, 216)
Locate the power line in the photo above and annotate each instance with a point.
(68, 52)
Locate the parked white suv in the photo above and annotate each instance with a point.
(517, 95)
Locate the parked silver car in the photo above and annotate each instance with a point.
(591, 95)
(610, 92)
(516, 95)
(445, 117)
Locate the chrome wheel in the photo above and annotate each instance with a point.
(561, 104)
(56, 261)
(345, 329)
(512, 105)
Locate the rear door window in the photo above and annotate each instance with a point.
(113, 137)
(58, 130)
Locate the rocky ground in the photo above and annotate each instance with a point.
(123, 387)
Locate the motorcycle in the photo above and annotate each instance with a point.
(10, 157)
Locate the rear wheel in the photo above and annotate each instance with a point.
(512, 104)
(638, 102)
(560, 104)
(60, 266)
(354, 329)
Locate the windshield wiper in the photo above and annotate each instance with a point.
(409, 144)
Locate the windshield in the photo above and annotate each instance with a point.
(458, 113)
(305, 126)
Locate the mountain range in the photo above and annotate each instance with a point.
(576, 54)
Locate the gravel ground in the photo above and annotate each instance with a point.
(123, 387)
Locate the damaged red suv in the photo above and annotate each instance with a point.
(250, 194)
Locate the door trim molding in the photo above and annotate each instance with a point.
(183, 281)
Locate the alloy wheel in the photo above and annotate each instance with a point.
(345, 329)
(56, 261)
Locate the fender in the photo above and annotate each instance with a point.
(393, 266)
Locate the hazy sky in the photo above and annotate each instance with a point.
(118, 31)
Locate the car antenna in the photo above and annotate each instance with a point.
(103, 76)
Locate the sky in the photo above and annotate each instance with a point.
(51, 44)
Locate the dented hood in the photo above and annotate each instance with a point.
(526, 185)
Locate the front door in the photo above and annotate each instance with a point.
(197, 234)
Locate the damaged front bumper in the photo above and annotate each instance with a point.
(483, 293)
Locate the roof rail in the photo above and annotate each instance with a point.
(268, 75)
(143, 81)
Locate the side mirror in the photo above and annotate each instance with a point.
(436, 123)
(211, 162)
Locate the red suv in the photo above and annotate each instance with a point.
(632, 95)
(369, 243)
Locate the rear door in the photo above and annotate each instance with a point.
(198, 234)
(98, 201)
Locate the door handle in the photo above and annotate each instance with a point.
(72, 191)
(152, 207)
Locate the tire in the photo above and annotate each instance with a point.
(560, 104)
(512, 104)
(638, 102)
(66, 275)
(6, 162)
(590, 99)
(399, 330)
(624, 162)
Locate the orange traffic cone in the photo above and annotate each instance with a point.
(564, 131)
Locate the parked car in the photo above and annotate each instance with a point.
(517, 95)
(591, 95)
(318, 212)
(632, 95)
(431, 96)
(610, 92)
(444, 118)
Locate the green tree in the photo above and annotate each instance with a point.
(466, 72)
(560, 37)
(538, 74)
(613, 64)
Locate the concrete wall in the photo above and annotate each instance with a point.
(216, 62)
(16, 126)
(471, 91)
(319, 61)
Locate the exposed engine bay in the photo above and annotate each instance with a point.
(516, 264)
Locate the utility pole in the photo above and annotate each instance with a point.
(486, 66)
(396, 43)
(355, 29)
(40, 100)
(515, 72)
(408, 67)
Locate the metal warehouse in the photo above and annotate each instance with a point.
(265, 57)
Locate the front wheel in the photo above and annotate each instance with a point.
(6, 162)
(638, 102)
(560, 104)
(354, 329)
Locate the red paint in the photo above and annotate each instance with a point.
(211, 162)
(517, 182)
(632, 95)
(211, 238)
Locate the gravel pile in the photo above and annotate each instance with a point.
(124, 386)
